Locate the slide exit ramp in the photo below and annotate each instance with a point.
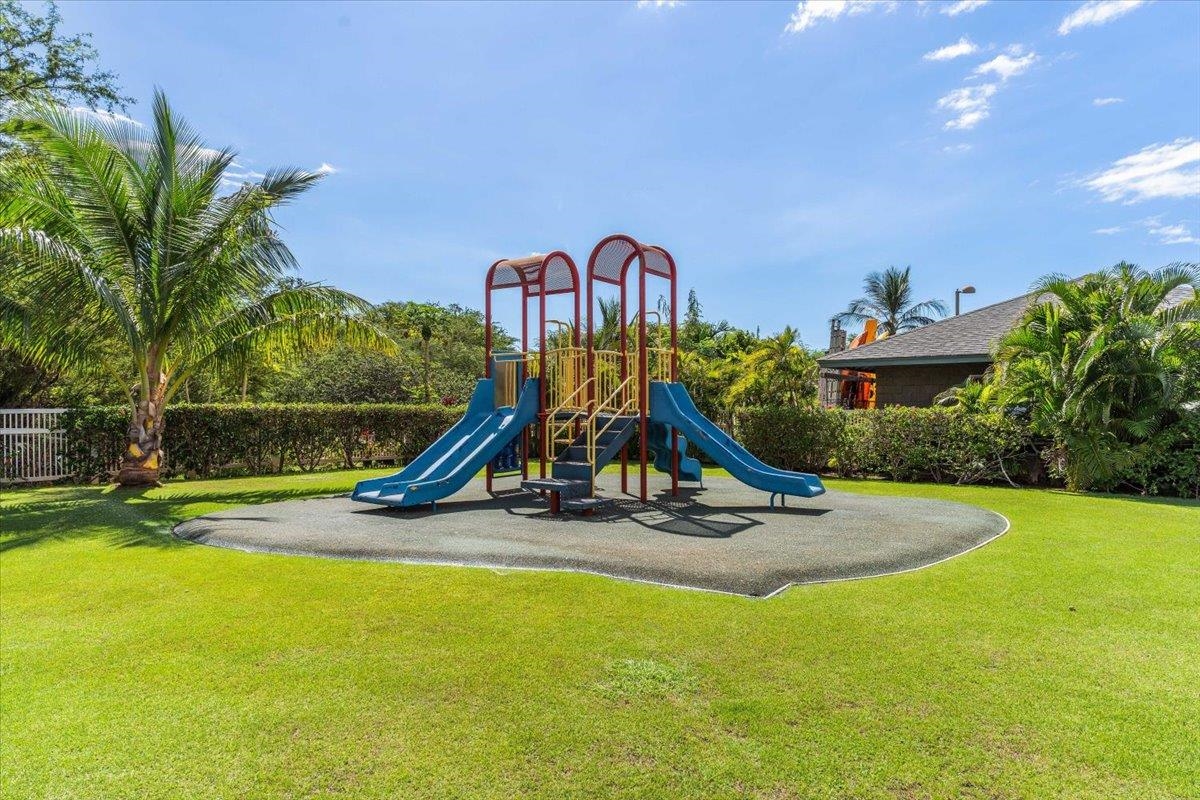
(670, 404)
(459, 454)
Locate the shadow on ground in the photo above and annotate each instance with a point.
(120, 517)
(682, 515)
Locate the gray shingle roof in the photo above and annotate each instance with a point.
(965, 339)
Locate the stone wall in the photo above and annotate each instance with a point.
(917, 385)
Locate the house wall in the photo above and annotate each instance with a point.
(917, 385)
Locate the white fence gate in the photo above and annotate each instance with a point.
(32, 445)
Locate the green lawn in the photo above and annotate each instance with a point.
(1061, 660)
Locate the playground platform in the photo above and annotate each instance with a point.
(719, 538)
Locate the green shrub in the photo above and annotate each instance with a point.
(935, 444)
(209, 439)
(802, 438)
(905, 444)
(1168, 463)
(95, 439)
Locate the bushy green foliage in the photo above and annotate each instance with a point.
(931, 444)
(263, 438)
(803, 438)
(1167, 463)
(934, 444)
(439, 349)
(1101, 363)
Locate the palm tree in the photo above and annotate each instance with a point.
(976, 395)
(779, 370)
(888, 298)
(607, 332)
(114, 232)
(1099, 362)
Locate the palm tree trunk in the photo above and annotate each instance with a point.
(143, 451)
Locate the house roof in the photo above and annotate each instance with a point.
(965, 339)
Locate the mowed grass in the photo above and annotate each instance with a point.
(1061, 660)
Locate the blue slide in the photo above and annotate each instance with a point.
(659, 443)
(670, 404)
(458, 455)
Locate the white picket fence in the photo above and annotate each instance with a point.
(32, 445)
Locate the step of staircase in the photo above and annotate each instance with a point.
(567, 488)
(572, 470)
(586, 504)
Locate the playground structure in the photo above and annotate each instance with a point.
(583, 398)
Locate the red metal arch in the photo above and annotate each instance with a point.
(623, 249)
(536, 276)
(609, 262)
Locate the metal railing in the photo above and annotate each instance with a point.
(32, 445)
(566, 371)
(564, 418)
(608, 373)
(617, 404)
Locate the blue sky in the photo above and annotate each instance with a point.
(780, 151)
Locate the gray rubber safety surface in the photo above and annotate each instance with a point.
(721, 538)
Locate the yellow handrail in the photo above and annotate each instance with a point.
(566, 368)
(553, 427)
(594, 435)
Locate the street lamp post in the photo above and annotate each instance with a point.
(968, 289)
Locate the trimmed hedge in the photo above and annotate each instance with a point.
(905, 444)
(211, 439)
(804, 439)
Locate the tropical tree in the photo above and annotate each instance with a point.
(888, 297)
(975, 395)
(1101, 362)
(114, 232)
(40, 62)
(778, 371)
(606, 333)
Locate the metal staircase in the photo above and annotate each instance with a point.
(582, 436)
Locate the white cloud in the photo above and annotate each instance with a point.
(1107, 101)
(1160, 170)
(1008, 64)
(809, 12)
(659, 3)
(106, 116)
(969, 104)
(972, 104)
(963, 47)
(963, 7)
(962, 147)
(327, 169)
(1096, 12)
(1170, 234)
(238, 174)
(1108, 231)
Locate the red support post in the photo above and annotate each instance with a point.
(487, 349)
(643, 374)
(624, 377)
(675, 455)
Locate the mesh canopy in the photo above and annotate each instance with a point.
(658, 262)
(612, 258)
(556, 269)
